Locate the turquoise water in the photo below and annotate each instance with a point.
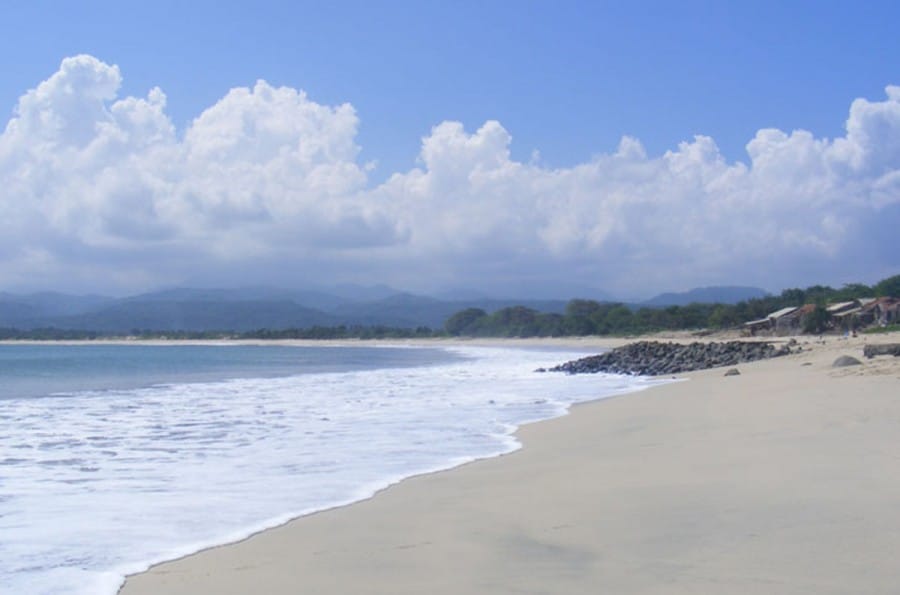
(34, 370)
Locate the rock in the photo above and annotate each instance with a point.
(871, 351)
(844, 361)
(654, 358)
(733, 372)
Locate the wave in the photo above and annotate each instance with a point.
(101, 484)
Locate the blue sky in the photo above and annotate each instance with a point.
(564, 80)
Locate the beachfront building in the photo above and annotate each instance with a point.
(843, 316)
(769, 324)
(792, 322)
(842, 308)
(881, 311)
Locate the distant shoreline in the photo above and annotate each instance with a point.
(589, 341)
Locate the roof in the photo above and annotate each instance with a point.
(806, 308)
(840, 306)
(779, 313)
(801, 311)
(757, 322)
(884, 302)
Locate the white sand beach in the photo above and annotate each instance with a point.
(784, 479)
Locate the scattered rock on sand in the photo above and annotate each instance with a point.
(871, 351)
(733, 372)
(844, 361)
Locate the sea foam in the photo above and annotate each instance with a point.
(98, 485)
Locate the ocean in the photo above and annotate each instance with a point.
(115, 457)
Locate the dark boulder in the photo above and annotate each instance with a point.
(844, 361)
(871, 351)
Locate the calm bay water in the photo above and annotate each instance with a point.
(33, 370)
(113, 457)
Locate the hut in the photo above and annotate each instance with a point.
(768, 324)
(882, 312)
(792, 322)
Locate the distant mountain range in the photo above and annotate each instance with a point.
(258, 308)
(240, 310)
(706, 295)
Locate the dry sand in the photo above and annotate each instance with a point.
(785, 479)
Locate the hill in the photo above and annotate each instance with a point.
(241, 310)
(707, 295)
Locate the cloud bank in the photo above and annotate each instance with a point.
(101, 191)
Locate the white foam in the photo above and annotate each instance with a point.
(94, 486)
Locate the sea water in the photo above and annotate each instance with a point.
(115, 457)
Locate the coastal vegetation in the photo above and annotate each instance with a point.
(891, 328)
(589, 317)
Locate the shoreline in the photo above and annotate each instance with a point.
(534, 512)
(576, 342)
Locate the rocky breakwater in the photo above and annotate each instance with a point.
(655, 358)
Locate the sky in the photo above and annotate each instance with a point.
(508, 148)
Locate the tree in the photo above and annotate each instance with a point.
(723, 317)
(888, 287)
(464, 321)
(514, 321)
(551, 325)
(816, 321)
(578, 307)
(793, 297)
(578, 319)
(819, 293)
(619, 319)
(853, 291)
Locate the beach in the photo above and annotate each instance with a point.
(783, 479)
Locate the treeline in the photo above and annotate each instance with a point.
(588, 317)
(46, 334)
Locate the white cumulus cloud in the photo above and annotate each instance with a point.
(266, 185)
